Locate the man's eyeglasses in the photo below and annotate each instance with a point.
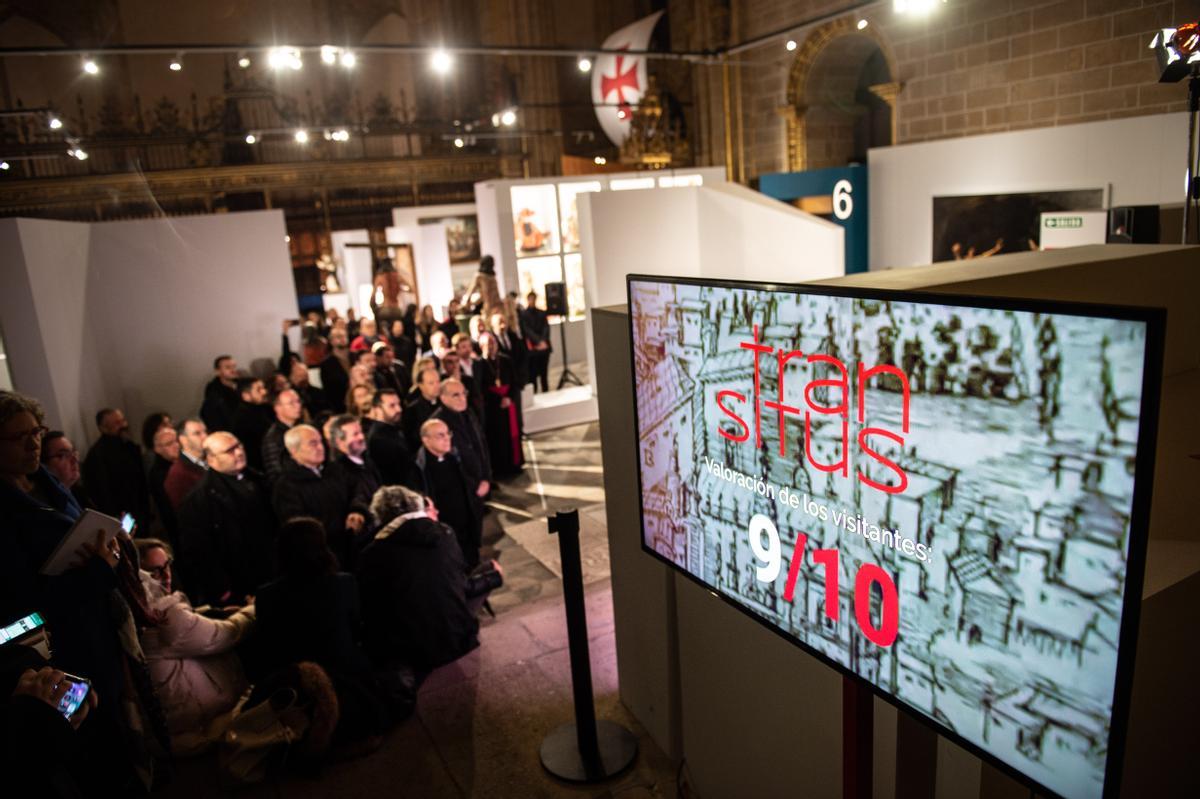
(64, 453)
(159, 572)
(35, 433)
(233, 449)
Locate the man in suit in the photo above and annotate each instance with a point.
(190, 467)
(422, 402)
(535, 327)
(386, 441)
(113, 471)
(288, 412)
(221, 395)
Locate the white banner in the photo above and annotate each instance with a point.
(619, 81)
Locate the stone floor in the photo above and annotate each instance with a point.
(480, 721)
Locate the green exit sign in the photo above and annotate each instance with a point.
(1064, 221)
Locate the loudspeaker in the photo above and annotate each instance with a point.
(556, 299)
(1133, 224)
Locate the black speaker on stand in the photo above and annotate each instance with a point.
(557, 305)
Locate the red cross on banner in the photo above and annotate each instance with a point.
(619, 80)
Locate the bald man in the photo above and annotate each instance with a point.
(306, 488)
(440, 476)
(226, 528)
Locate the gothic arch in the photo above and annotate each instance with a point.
(837, 38)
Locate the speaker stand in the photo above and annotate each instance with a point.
(567, 375)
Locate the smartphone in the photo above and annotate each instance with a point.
(21, 627)
(75, 695)
(127, 523)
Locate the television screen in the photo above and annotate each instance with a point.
(944, 497)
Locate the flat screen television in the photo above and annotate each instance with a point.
(945, 497)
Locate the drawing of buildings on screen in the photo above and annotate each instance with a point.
(1020, 462)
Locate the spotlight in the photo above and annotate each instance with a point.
(285, 57)
(251, 138)
(4, 165)
(243, 61)
(1177, 51)
(78, 153)
(791, 45)
(441, 61)
(329, 54)
(91, 67)
(585, 65)
(496, 120)
(600, 160)
(914, 6)
(508, 117)
(301, 137)
(55, 123)
(349, 59)
(176, 63)
(341, 134)
(459, 143)
(862, 24)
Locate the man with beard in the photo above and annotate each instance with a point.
(288, 412)
(440, 476)
(466, 434)
(189, 468)
(221, 394)
(307, 488)
(335, 370)
(352, 464)
(113, 470)
(252, 418)
(389, 372)
(386, 442)
(226, 528)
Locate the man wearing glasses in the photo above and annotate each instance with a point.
(226, 528)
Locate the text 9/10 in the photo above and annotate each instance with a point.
(764, 540)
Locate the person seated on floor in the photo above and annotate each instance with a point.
(308, 488)
(190, 466)
(226, 528)
(441, 476)
(61, 459)
(419, 606)
(311, 613)
(195, 673)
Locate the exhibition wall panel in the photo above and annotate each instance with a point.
(1140, 158)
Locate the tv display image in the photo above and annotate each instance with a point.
(945, 497)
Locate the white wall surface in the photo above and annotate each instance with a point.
(131, 314)
(356, 268)
(1142, 158)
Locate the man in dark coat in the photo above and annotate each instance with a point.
(308, 488)
(221, 395)
(288, 410)
(190, 466)
(335, 371)
(535, 327)
(351, 460)
(512, 345)
(422, 402)
(385, 440)
(466, 434)
(166, 452)
(440, 476)
(389, 372)
(418, 607)
(251, 418)
(113, 470)
(226, 528)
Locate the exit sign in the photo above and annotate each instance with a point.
(1072, 229)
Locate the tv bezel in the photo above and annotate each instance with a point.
(1139, 520)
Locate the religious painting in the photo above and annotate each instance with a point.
(535, 220)
(462, 236)
(982, 225)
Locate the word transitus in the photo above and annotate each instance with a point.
(842, 383)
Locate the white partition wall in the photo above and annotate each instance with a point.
(441, 273)
(131, 314)
(1139, 160)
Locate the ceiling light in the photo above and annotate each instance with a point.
(176, 63)
(251, 138)
(348, 59)
(91, 67)
(508, 117)
(341, 134)
(459, 143)
(914, 6)
(329, 54)
(862, 24)
(791, 45)
(243, 61)
(4, 165)
(622, 113)
(1177, 51)
(585, 65)
(301, 137)
(78, 153)
(496, 120)
(600, 160)
(285, 57)
(55, 123)
(441, 61)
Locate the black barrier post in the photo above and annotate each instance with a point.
(586, 751)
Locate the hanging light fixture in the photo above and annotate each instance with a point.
(176, 64)
(348, 59)
(90, 66)
(55, 123)
(301, 136)
(585, 64)
(441, 61)
(251, 138)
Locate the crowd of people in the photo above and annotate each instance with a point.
(315, 530)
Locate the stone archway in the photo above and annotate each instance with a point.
(841, 96)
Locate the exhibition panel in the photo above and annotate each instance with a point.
(947, 500)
